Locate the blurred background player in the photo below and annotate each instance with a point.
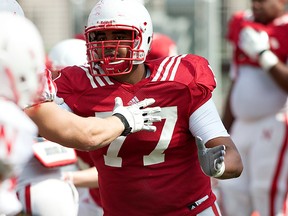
(41, 189)
(162, 46)
(21, 62)
(65, 53)
(256, 110)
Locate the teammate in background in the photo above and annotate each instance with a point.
(65, 53)
(256, 110)
(162, 46)
(150, 166)
(40, 188)
(19, 84)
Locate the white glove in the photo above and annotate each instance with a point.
(134, 117)
(211, 159)
(255, 44)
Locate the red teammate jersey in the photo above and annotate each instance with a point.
(277, 31)
(148, 173)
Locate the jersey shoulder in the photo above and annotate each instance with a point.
(72, 77)
(187, 69)
(74, 70)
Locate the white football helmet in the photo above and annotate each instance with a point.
(22, 59)
(11, 6)
(118, 15)
(68, 52)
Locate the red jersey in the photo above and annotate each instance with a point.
(148, 173)
(277, 31)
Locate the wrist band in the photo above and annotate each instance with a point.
(267, 59)
(127, 129)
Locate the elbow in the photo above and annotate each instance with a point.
(88, 145)
(233, 169)
(91, 143)
(237, 171)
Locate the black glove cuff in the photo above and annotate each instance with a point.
(127, 129)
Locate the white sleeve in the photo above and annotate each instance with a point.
(206, 123)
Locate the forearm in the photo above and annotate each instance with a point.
(271, 64)
(74, 131)
(233, 164)
(227, 116)
(280, 74)
(85, 178)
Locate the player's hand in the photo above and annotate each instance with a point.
(135, 117)
(211, 159)
(253, 42)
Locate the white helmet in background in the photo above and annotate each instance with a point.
(22, 59)
(11, 6)
(118, 15)
(67, 53)
(162, 46)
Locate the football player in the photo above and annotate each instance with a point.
(162, 173)
(40, 187)
(21, 62)
(256, 110)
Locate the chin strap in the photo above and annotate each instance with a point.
(111, 69)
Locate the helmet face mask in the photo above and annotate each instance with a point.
(130, 25)
(114, 49)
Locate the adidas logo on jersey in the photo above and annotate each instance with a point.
(134, 100)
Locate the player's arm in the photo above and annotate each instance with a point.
(255, 44)
(83, 178)
(68, 129)
(217, 153)
(228, 117)
(219, 158)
